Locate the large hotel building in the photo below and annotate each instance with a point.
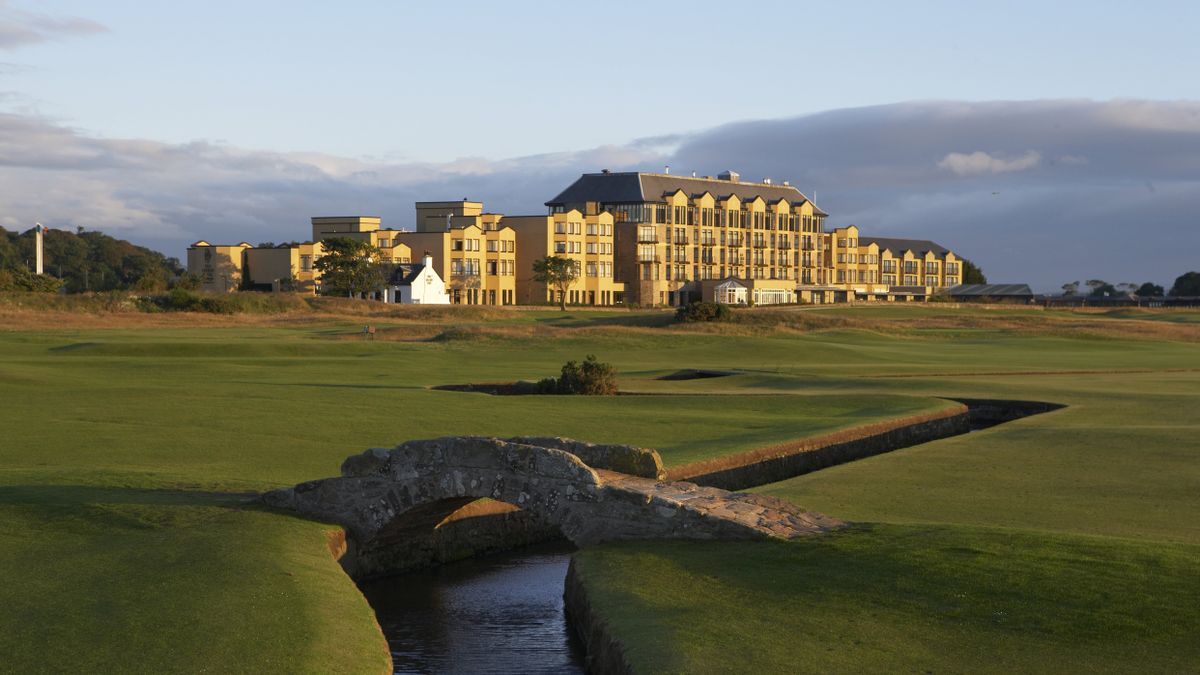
(636, 238)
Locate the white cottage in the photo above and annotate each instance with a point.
(417, 284)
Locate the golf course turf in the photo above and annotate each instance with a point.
(1065, 541)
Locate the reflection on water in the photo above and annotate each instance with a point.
(498, 614)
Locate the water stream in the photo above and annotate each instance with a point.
(501, 613)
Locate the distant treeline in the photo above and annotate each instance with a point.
(83, 261)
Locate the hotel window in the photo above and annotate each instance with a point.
(591, 248)
(305, 263)
(384, 243)
(931, 281)
(456, 267)
(910, 280)
(491, 268)
(560, 228)
(591, 228)
(591, 269)
(560, 247)
(493, 246)
(456, 245)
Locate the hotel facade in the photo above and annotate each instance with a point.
(636, 238)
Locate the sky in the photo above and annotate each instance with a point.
(1049, 142)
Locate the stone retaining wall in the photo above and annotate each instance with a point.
(604, 653)
(785, 461)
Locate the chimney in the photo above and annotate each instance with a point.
(427, 260)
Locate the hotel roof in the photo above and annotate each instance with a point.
(901, 245)
(638, 187)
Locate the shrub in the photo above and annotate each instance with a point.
(703, 311)
(22, 280)
(589, 378)
(180, 299)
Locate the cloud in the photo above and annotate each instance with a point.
(1081, 210)
(980, 162)
(1102, 190)
(169, 195)
(20, 28)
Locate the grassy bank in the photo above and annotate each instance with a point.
(892, 598)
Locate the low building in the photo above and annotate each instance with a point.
(364, 228)
(585, 239)
(287, 267)
(473, 251)
(1006, 293)
(417, 284)
(220, 267)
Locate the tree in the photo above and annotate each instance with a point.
(558, 273)
(972, 273)
(350, 267)
(1187, 284)
(90, 260)
(1101, 288)
(1070, 288)
(1149, 290)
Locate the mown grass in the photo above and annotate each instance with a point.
(122, 442)
(892, 598)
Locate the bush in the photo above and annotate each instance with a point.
(703, 311)
(180, 299)
(590, 378)
(21, 280)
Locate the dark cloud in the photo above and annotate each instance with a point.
(20, 28)
(1041, 192)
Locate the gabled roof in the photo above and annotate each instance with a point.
(406, 273)
(901, 245)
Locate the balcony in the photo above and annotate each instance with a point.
(649, 258)
(760, 244)
(647, 238)
(708, 242)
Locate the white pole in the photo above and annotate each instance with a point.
(37, 236)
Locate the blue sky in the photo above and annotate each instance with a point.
(438, 81)
(1048, 141)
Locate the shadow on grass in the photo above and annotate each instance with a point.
(90, 507)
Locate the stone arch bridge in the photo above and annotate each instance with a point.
(591, 493)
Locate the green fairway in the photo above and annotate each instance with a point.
(122, 448)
